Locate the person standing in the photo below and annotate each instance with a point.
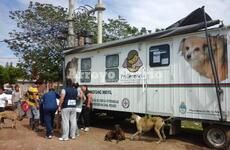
(87, 107)
(78, 106)
(3, 99)
(67, 106)
(16, 100)
(33, 100)
(49, 109)
(41, 90)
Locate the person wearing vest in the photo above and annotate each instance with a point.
(67, 106)
(49, 108)
(87, 107)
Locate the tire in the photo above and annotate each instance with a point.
(216, 137)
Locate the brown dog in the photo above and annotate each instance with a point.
(116, 134)
(11, 115)
(145, 124)
(195, 51)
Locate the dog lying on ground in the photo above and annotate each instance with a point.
(145, 124)
(116, 134)
(11, 115)
(195, 52)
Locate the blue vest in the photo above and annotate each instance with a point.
(49, 100)
(70, 97)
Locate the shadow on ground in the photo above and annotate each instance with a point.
(187, 135)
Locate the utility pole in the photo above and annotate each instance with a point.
(100, 8)
(70, 35)
(71, 39)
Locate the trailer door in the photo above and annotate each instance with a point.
(159, 98)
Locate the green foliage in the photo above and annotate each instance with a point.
(37, 43)
(158, 30)
(41, 37)
(10, 74)
(2, 75)
(117, 29)
(86, 23)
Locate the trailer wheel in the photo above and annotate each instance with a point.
(216, 137)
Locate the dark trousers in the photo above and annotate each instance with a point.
(2, 109)
(41, 114)
(86, 116)
(49, 115)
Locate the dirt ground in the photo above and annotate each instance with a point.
(23, 138)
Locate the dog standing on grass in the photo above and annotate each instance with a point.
(116, 134)
(11, 115)
(145, 124)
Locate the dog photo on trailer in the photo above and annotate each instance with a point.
(194, 49)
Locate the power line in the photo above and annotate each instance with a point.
(56, 28)
(8, 58)
(53, 29)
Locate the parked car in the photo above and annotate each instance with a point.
(8, 93)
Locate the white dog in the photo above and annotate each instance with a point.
(194, 49)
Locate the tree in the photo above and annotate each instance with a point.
(158, 30)
(12, 74)
(37, 41)
(2, 74)
(117, 29)
(9, 74)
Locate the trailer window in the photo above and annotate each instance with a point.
(86, 70)
(112, 61)
(85, 76)
(86, 64)
(112, 71)
(112, 75)
(159, 55)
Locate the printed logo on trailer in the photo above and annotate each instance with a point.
(125, 103)
(133, 61)
(182, 108)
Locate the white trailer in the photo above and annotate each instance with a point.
(167, 73)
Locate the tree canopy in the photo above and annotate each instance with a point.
(38, 41)
(10, 74)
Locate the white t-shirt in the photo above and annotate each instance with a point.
(3, 100)
(16, 96)
(63, 92)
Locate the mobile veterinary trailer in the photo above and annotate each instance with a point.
(166, 73)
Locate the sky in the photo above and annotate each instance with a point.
(151, 14)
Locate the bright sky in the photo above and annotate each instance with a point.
(140, 13)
